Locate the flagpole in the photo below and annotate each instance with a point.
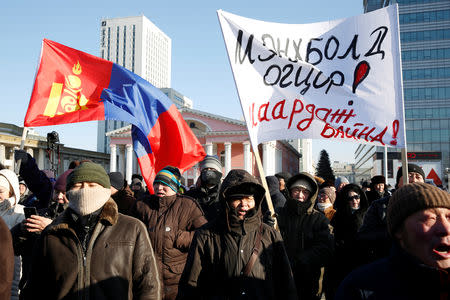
(22, 145)
(264, 183)
(404, 150)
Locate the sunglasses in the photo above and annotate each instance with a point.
(355, 197)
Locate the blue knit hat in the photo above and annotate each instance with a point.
(169, 176)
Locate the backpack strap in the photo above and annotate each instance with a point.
(256, 249)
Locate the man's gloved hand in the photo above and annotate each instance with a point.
(21, 155)
(269, 219)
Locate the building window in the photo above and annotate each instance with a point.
(133, 48)
(109, 42)
(117, 45)
(426, 35)
(222, 158)
(124, 45)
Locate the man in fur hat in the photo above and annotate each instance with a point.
(377, 188)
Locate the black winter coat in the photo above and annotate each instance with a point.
(208, 200)
(38, 183)
(278, 199)
(373, 195)
(349, 252)
(373, 232)
(397, 277)
(307, 236)
(221, 250)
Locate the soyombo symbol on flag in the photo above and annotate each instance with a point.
(336, 80)
(72, 86)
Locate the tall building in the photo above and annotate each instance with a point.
(138, 45)
(425, 44)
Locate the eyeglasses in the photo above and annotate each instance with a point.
(355, 197)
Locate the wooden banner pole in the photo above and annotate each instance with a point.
(264, 183)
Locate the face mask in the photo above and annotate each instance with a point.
(210, 177)
(323, 206)
(87, 200)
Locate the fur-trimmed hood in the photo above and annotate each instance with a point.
(236, 182)
(313, 197)
(343, 205)
(108, 216)
(238, 178)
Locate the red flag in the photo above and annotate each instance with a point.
(73, 86)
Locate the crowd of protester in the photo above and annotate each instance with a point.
(89, 234)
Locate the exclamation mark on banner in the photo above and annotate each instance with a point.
(395, 126)
(361, 72)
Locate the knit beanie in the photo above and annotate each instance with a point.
(378, 179)
(412, 198)
(169, 176)
(329, 192)
(117, 180)
(411, 168)
(61, 181)
(211, 161)
(88, 172)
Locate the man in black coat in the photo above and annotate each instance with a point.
(207, 190)
(306, 234)
(278, 199)
(418, 220)
(237, 256)
(373, 231)
(377, 188)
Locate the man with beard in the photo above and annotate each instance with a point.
(208, 185)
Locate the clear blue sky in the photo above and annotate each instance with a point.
(200, 68)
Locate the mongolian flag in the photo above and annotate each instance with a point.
(72, 86)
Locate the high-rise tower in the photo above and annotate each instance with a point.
(138, 45)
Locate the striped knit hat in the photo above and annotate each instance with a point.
(169, 176)
(412, 198)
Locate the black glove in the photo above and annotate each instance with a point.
(21, 155)
(269, 219)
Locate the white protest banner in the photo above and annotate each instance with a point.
(336, 80)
